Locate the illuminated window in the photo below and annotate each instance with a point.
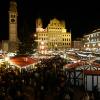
(92, 40)
(97, 39)
(91, 35)
(98, 44)
(94, 45)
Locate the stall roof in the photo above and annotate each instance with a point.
(92, 72)
(23, 61)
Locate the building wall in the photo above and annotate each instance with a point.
(54, 35)
(92, 40)
(77, 44)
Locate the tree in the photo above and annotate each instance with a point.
(26, 46)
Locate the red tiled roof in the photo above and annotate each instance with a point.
(23, 61)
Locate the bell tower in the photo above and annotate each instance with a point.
(13, 21)
(39, 25)
(13, 39)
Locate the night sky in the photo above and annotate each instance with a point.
(80, 17)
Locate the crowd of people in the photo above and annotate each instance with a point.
(47, 82)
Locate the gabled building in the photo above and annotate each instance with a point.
(54, 36)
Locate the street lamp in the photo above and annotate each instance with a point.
(35, 35)
(7, 61)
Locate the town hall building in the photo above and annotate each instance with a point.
(54, 36)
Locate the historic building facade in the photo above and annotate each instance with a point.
(54, 36)
(92, 40)
(77, 45)
(11, 45)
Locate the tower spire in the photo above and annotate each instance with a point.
(13, 6)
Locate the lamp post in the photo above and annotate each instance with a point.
(7, 62)
(35, 39)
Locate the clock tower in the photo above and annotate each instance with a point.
(13, 39)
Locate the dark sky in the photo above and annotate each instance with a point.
(80, 17)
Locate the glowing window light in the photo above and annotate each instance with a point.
(6, 58)
(42, 43)
(94, 45)
(42, 47)
(98, 44)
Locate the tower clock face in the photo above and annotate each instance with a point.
(12, 20)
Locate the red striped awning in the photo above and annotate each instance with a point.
(92, 72)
